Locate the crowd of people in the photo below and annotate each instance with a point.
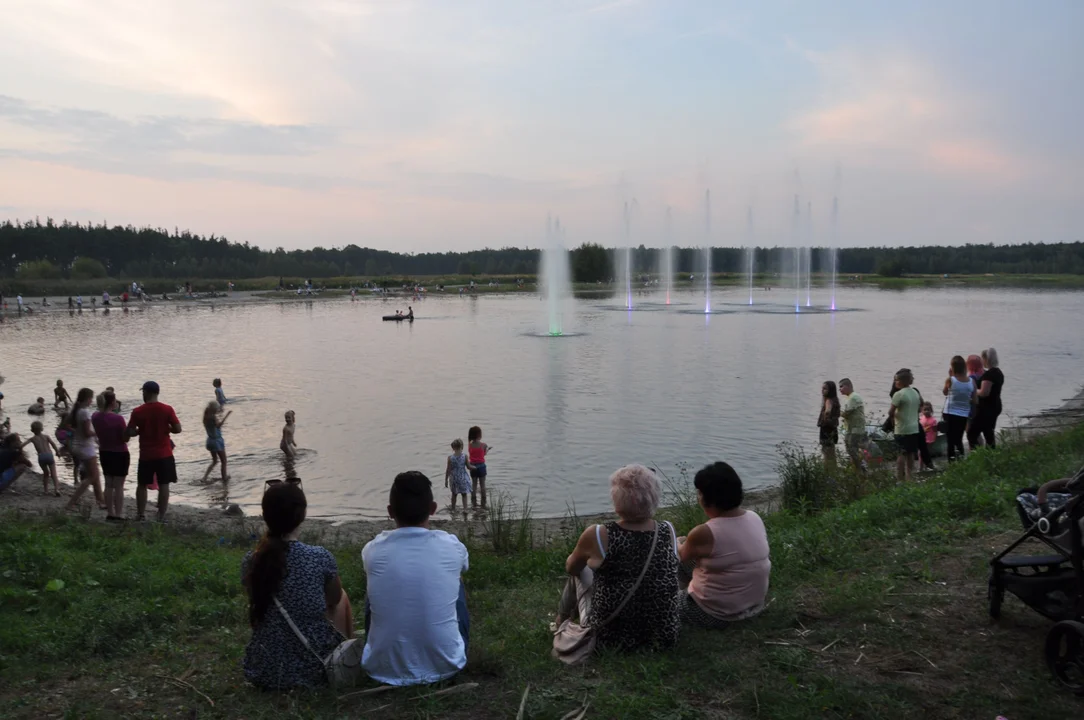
(94, 434)
(633, 581)
(972, 406)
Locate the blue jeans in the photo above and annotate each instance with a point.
(461, 614)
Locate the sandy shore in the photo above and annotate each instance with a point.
(27, 497)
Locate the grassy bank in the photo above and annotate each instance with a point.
(878, 611)
(507, 283)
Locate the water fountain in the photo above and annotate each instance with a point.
(627, 264)
(809, 254)
(832, 256)
(707, 251)
(666, 256)
(556, 275)
(794, 231)
(750, 250)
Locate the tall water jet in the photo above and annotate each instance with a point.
(750, 250)
(707, 251)
(809, 254)
(628, 256)
(794, 231)
(666, 258)
(556, 275)
(833, 245)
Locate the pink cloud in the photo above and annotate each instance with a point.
(973, 156)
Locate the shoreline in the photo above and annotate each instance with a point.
(255, 290)
(26, 498)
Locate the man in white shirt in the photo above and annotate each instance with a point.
(416, 620)
(853, 412)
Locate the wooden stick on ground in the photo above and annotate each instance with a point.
(370, 691)
(453, 690)
(523, 702)
(578, 713)
(183, 684)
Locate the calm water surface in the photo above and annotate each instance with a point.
(658, 386)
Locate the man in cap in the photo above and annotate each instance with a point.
(153, 422)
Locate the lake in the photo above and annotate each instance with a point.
(659, 385)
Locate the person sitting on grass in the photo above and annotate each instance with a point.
(608, 561)
(725, 561)
(286, 577)
(416, 621)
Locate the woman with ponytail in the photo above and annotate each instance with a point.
(304, 579)
(84, 450)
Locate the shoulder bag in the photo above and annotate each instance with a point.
(573, 643)
(343, 664)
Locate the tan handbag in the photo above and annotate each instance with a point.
(343, 664)
(574, 643)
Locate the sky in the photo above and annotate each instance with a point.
(432, 125)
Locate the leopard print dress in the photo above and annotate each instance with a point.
(651, 617)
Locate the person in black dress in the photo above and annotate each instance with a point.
(989, 404)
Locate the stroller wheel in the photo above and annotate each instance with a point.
(1065, 654)
(995, 594)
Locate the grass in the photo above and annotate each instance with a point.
(878, 610)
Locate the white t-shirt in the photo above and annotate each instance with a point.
(83, 446)
(413, 577)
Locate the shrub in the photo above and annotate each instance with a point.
(810, 486)
(37, 270)
(84, 268)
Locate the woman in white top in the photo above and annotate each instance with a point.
(85, 450)
(959, 394)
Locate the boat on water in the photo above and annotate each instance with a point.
(398, 318)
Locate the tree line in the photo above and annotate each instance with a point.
(34, 250)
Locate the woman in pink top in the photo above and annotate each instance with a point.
(728, 554)
(115, 459)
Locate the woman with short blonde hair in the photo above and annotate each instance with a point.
(624, 579)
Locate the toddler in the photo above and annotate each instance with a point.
(457, 471)
(287, 445)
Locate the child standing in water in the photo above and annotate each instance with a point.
(61, 395)
(288, 445)
(476, 452)
(220, 396)
(46, 448)
(457, 471)
(215, 444)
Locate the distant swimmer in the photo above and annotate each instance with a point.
(410, 315)
(288, 444)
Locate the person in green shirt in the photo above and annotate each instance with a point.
(904, 416)
(853, 413)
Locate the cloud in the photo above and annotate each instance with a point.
(97, 131)
(891, 110)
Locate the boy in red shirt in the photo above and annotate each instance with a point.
(153, 422)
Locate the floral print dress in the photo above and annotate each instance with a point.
(460, 480)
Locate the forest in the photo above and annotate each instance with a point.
(35, 250)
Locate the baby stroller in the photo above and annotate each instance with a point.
(1051, 584)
